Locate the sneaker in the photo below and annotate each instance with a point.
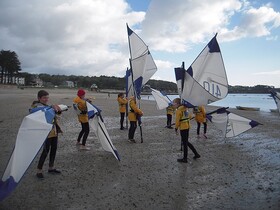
(54, 171)
(78, 143)
(196, 156)
(40, 175)
(131, 140)
(83, 147)
(182, 160)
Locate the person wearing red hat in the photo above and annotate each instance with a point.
(81, 107)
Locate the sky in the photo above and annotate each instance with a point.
(89, 37)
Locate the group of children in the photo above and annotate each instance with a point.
(183, 118)
(182, 123)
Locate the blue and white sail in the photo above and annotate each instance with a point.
(129, 84)
(98, 126)
(32, 133)
(276, 97)
(161, 99)
(229, 123)
(142, 65)
(205, 81)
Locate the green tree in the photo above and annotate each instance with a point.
(10, 65)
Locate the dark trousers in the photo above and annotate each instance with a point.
(122, 119)
(186, 143)
(84, 133)
(132, 129)
(169, 120)
(204, 127)
(50, 144)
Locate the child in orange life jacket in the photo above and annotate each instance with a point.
(133, 114)
(80, 104)
(122, 108)
(183, 123)
(200, 117)
(50, 143)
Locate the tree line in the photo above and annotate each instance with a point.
(10, 66)
(102, 82)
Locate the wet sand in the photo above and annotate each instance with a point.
(234, 173)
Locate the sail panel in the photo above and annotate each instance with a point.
(137, 46)
(161, 100)
(150, 68)
(229, 123)
(194, 94)
(32, 133)
(209, 70)
(142, 64)
(205, 81)
(98, 126)
(179, 76)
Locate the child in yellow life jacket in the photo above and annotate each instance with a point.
(80, 105)
(50, 143)
(169, 112)
(122, 108)
(133, 114)
(183, 124)
(200, 117)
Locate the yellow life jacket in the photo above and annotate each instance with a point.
(122, 104)
(200, 114)
(183, 117)
(82, 109)
(170, 110)
(133, 111)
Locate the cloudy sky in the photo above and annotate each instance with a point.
(89, 37)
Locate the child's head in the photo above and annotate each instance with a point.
(121, 95)
(43, 96)
(176, 102)
(81, 93)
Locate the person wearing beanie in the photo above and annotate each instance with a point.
(81, 107)
(50, 144)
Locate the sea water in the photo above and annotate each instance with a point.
(262, 101)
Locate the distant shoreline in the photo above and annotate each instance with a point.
(117, 91)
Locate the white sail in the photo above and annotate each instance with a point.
(205, 81)
(276, 97)
(142, 63)
(98, 126)
(229, 123)
(162, 100)
(32, 133)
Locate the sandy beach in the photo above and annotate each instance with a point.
(234, 173)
